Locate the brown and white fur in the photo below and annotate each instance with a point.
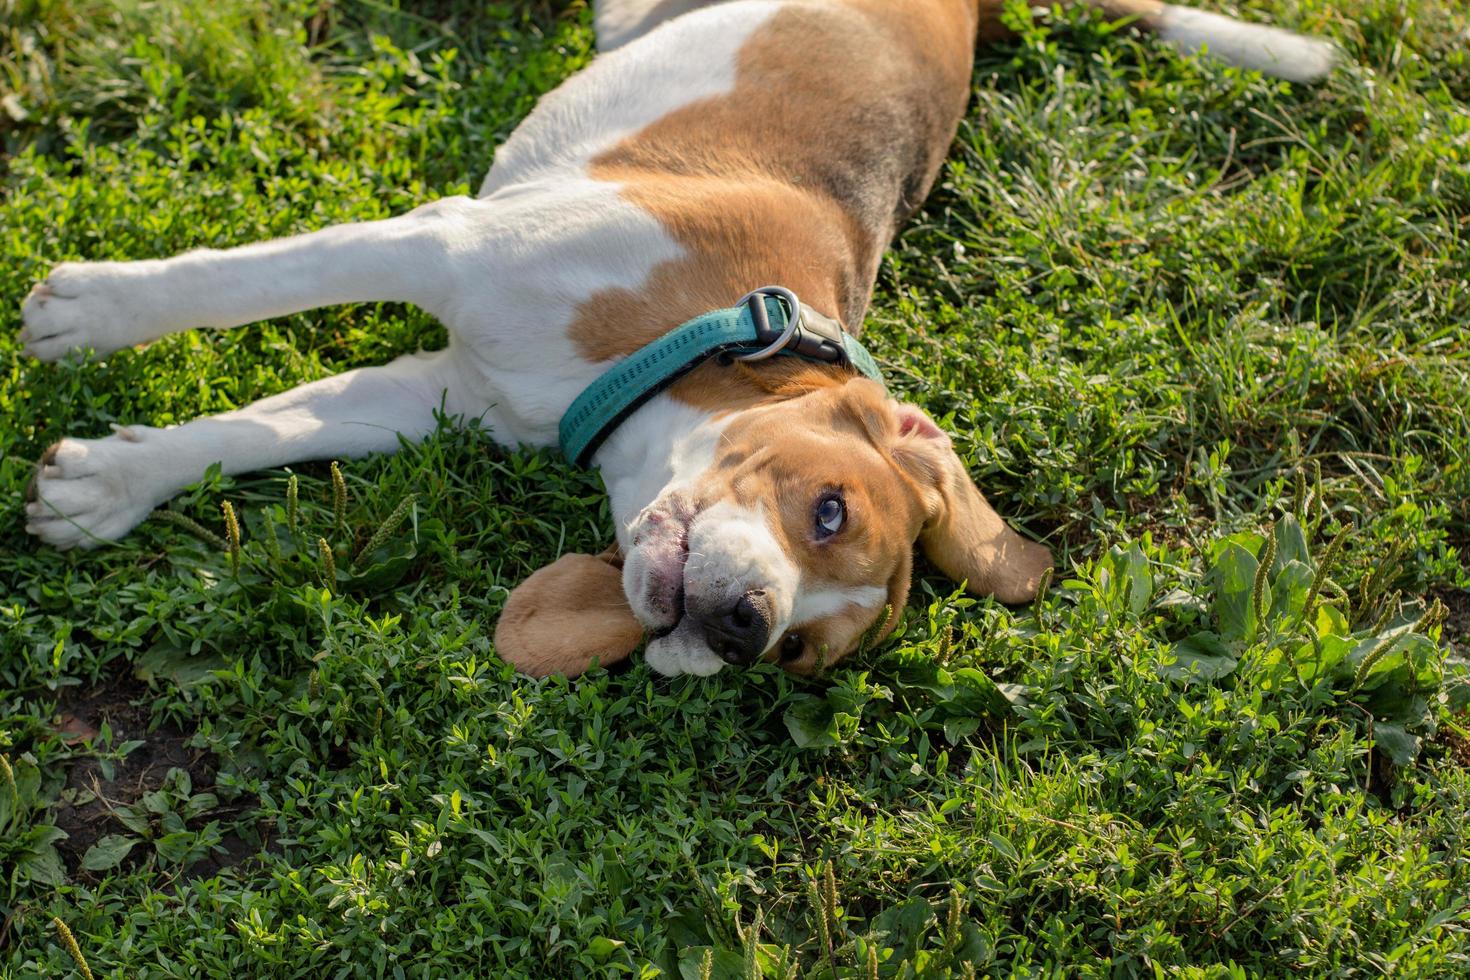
(709, 149)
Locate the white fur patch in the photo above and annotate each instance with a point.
(813, 604)
(96, 490)
(732, 551)
(1269, 50)
(663, 447)
(683, 651)
(538, 253)
(622, 91)
(553, 237)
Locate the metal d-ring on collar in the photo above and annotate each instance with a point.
(755, 300)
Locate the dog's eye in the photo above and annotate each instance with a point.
(831, 513)
(792, 647)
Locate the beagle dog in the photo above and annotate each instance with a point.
(765, 509)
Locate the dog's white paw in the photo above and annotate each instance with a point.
(90, 491)
(105, 306)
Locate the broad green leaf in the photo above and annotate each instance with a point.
(974, 945)
(956, 729)
(1003, 847)
(1331, 622)
(927, 675)
(1249, 541)
(1314, 665)
(108, 852)
(132, 818)
(729, 964)
(1456, 683)
(903, 925)
(1201, 657)
(1016, 695)
(156, 802)
(200, 803)
(1124, 577)
(1183, 600)
(27, 782)
(1289, 591)
(976, 691)
(1396, 743)
(1374, 658)
(1397, 706)
(44, 833)
(1291, 544)
(812, 724)
(1125, 581)
(165, 662)
(177, 846)
(383, 569)
(43, 865)
(602, 948)
(1233, 577)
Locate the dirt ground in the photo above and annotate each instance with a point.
(86, 810)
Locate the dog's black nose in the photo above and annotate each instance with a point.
(740, 634)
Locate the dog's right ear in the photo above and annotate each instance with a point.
(568, 616)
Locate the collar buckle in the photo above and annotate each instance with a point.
(807, 332)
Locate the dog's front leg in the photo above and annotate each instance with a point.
(106, 306)
(88, 491)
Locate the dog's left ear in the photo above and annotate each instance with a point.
(962, 534)
(568, 616)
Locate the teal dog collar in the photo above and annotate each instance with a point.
(765, 323)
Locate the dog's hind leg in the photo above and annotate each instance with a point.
(88, 491)
(106, 306)
(621, 21)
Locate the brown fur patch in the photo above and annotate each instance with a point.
(962, 534)
(833, 637)
(728, 386)
(567, 616)
(839, 121)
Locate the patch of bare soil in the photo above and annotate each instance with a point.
(1457, 637)
(1457, 624)
(88, 807)
(1457, 745)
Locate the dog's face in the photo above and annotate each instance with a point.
(789, 546)
(792, 542)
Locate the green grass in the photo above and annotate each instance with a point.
(1167, 308)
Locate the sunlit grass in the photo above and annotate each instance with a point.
(1169, 311)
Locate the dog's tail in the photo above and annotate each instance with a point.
(1270, 50)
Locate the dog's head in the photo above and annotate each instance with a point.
(791, 543)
